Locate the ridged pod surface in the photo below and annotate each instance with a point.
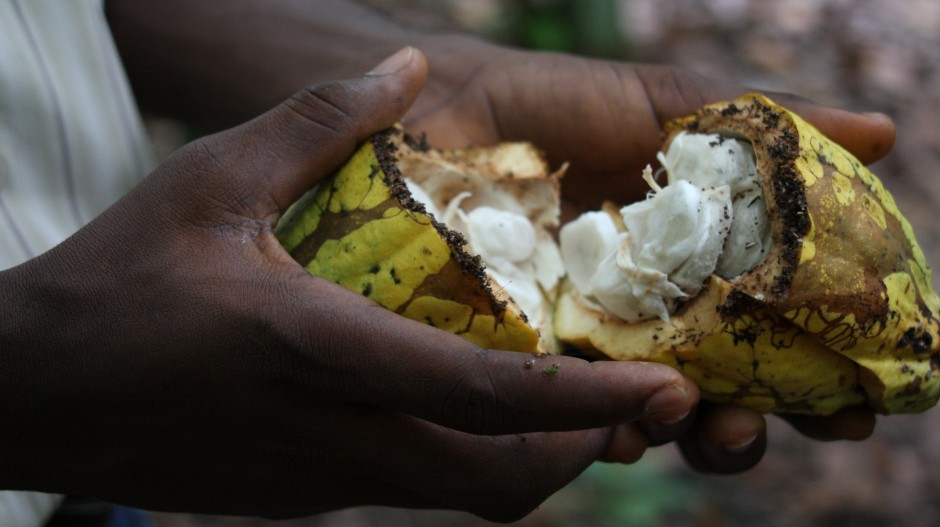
(841, 312)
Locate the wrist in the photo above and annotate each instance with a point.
(33, 371)
(14, 433)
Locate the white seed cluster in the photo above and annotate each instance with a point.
(523, 260)
(709, 218)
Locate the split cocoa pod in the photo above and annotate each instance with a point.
(406, 225)
(772, 268)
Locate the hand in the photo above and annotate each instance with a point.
(171, 355)
(606, 119)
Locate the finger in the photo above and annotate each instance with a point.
(868, 136)
(264, 165)
(674, 93)
(854, 423)
(627, 444)
(725, 439)
(661, 431)
(363, 353)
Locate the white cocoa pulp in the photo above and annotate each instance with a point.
(709, 218)
(519, 257)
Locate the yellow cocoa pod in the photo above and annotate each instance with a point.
(841, 311)
(363, 229)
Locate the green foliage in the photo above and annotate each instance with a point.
(586, 27)
(546, 30)
(643, 494)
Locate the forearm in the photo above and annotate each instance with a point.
(225, 62)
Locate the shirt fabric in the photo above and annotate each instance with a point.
(71, 139)
(71, 143)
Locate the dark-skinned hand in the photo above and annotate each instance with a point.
(171, 355)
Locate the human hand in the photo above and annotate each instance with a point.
(172, 356)
(606, 119)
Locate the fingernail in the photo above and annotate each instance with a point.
(878, 116)
(673, 399)
(740, 446)
(394, 63)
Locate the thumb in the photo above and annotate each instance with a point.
(273, 159)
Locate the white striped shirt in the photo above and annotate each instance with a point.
(71, 143)
(71, 139)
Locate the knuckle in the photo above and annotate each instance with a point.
(474, 404)
(196, 168)
(329, 105)
(197, 163)
(201, 163)
(671, 91)
(686, 88)
(219, 194)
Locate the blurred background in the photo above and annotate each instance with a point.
(863, 55)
